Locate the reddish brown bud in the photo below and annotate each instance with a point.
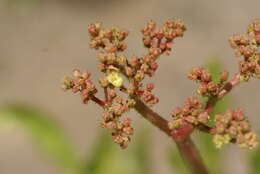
(223, 76)
(203, 118)
(149, 86)
(76, 73)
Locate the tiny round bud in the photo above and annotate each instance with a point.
(131, 102)
(149, 86)
(121, 60)
(139, 76)
(102, 67)
(103, 82)
(223, 76)
(203, 118)
(86, 75)
(112, 93)
(134, 61)
(151, 25)
(206, 76)
(76, 73)
(154, 65)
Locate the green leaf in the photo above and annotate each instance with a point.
(108, 158)
(46, 134)
(23, 4)
(100, 152)
(176, 162)
(141, 150)
(214, 68)
(209, 153)
(255, 161)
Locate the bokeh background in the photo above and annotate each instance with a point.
(41, 41)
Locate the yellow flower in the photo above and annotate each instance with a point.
(220, 140)
(115, 79)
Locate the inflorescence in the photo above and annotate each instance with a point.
(116, 67)
(124, 74)
(247, 46)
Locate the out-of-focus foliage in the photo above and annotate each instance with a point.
(107, 158)
(255, 161)
(18, 4)
(176, 162)
(209, 153)
(46, 134)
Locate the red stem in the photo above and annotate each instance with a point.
(152, 116)
(106, 94)
(190, 154)
(229, 86)
(211, 104)
(98, 101)
(213, 101)
(185, 145)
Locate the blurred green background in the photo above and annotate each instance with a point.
(44, 130)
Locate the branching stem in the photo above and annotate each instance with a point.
(187, 149)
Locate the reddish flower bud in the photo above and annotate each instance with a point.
(149, 86)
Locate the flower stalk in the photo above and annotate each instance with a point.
(186, 147)
(126, 75)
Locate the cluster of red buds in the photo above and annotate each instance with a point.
(248, 46)
(125, 75)
(80, 83)
(232, 126)
(160, 41)
(121, 130)
(117, 68)
(207, 86)
(191, 113)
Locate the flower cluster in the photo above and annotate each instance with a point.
(160, 41)
(207, 86)
(80, 83)
(122, 74)
(121, 130)
(248, 46)
(232, 126)
(191, 113)
(109, 42)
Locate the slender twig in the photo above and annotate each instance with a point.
(106, 94)
(152, 116)
(211, 103)
(97, 100)
(188, 150)
(229, 86)
(207, 129)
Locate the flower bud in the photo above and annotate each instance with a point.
(223, 76)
